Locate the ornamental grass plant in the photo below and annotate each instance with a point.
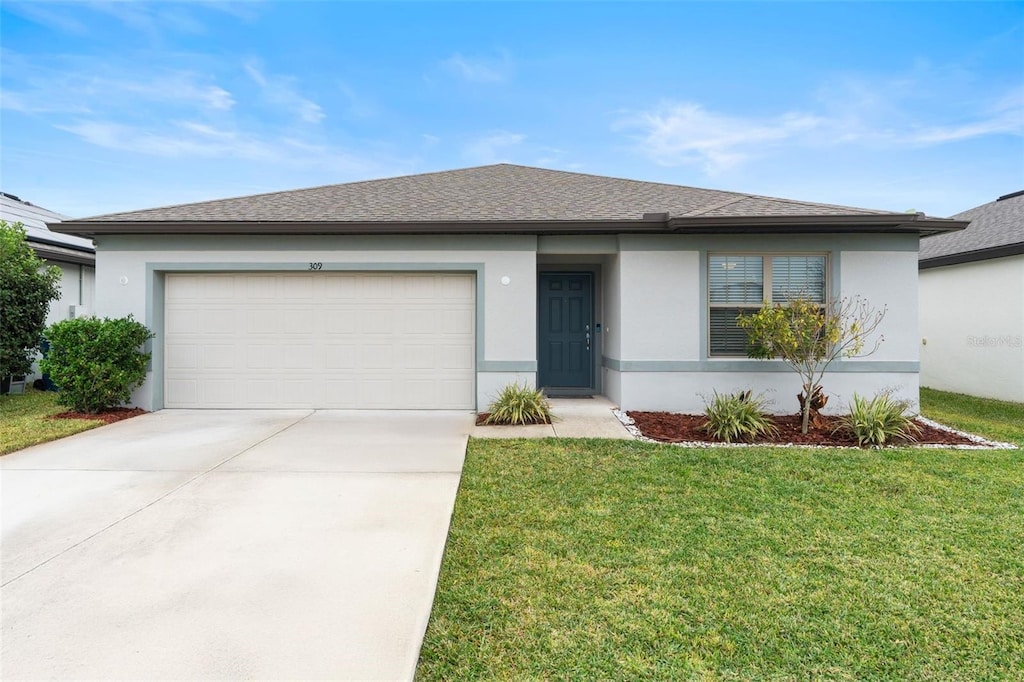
(519, 404)
(738, 417)
(880, 420)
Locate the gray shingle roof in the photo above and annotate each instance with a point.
(996, 224)
(502, 192)
(34, 219)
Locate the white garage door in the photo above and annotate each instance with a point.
(321, 340)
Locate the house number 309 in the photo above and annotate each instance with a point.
(316, 266)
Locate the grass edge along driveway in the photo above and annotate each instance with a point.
(622, 560)
(24, 420)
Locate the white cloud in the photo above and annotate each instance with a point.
(480, 69)
(280, 91)
(683, 133)
(86, 86)
(358, 105)
(1006, 116)
(187, 139)
(152, 20)
(491, 148)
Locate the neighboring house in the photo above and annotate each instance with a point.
(75, 256)
(435, 290)
(972, 303)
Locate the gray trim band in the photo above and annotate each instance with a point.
(746, 366)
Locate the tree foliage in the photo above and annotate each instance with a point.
(808, 337)
(96, 363)
(27, 285)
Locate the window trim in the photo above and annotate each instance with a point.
(766, 272)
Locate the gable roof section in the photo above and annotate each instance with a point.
(497, 198)
(996, 229)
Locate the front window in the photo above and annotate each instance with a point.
(740, 284)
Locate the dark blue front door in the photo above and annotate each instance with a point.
(566, 330)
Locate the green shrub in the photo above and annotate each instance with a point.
(739, 416)
(27, 285)
(96, 363)
(518, 404)
(879, 420)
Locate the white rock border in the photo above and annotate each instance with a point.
(980, 443)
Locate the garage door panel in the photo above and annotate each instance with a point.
(260, 289)
(217, 288)
(456, 322)
(181, 392)
(263, 321)
(457, 357)
(182, 356)
(297, 321)
(330, 340)
(340, 356)
(218, 357)
(216, 392)
(375, 287)
(375, 321)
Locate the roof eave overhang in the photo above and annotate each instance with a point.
(972, 256)
(881, 223)
(35, 240)
(90, 229)
(62, 253)
(898, 223)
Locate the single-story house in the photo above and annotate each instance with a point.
(972, 303)
(75, 257)
(433, 291)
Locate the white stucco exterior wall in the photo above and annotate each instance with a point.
(687, 391)
(507, 332)
(660, 299)
(651, 298)
(663, 362)
(77, 288)
(886, 280)
(77, 284)
(972, 328)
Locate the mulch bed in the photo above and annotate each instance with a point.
(107, 416)
(678, 428)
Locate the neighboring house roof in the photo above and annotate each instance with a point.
(497, 198)
(996, 229)
(47, 244)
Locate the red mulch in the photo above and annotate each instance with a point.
(677, 428)
(110, 416)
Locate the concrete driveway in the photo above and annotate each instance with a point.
(228, 544)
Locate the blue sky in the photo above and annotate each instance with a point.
(110, 106)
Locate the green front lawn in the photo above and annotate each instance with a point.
(996, 419)
(597, 559)
(24, 420)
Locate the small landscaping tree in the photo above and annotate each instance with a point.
(27, 285)
(808, 336)
(96, 363)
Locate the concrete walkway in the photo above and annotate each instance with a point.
(574, 418)
(227, 545)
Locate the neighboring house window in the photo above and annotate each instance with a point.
(739, 284)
